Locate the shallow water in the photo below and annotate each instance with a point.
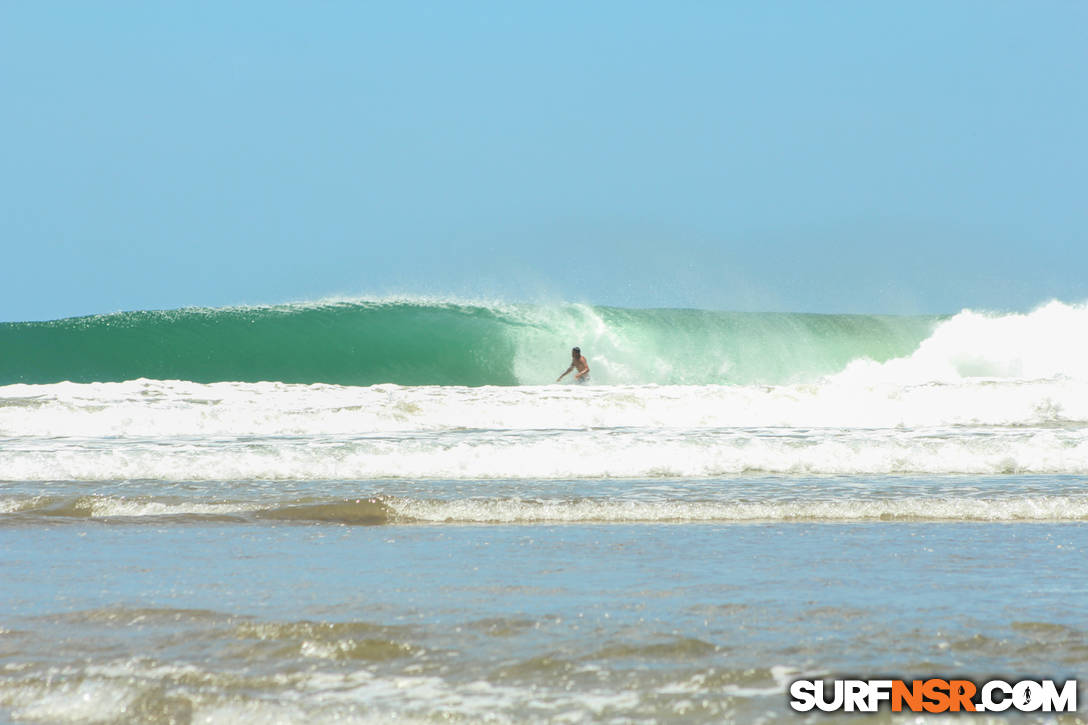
(311, 613)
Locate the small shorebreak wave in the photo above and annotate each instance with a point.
(393, 510)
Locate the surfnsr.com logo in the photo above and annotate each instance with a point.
(933, 695)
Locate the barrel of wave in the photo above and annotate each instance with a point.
(687, 346)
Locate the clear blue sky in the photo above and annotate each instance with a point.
(840, 156)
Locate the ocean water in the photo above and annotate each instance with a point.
(385, 510)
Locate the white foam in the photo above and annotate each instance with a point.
(78, 700)
(117, 506)
(1028, 508)
(606, 453)
(176, 409)
(1046, 343)
(10, 505)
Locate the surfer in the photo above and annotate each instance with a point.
(577, 361)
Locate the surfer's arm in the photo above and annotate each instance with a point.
(564, 373)
(582, 373)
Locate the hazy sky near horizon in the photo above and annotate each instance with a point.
(817, 157)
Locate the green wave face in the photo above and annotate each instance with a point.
(446, 343)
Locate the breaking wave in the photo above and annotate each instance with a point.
(426, 342)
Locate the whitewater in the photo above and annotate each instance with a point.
(385, 509)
